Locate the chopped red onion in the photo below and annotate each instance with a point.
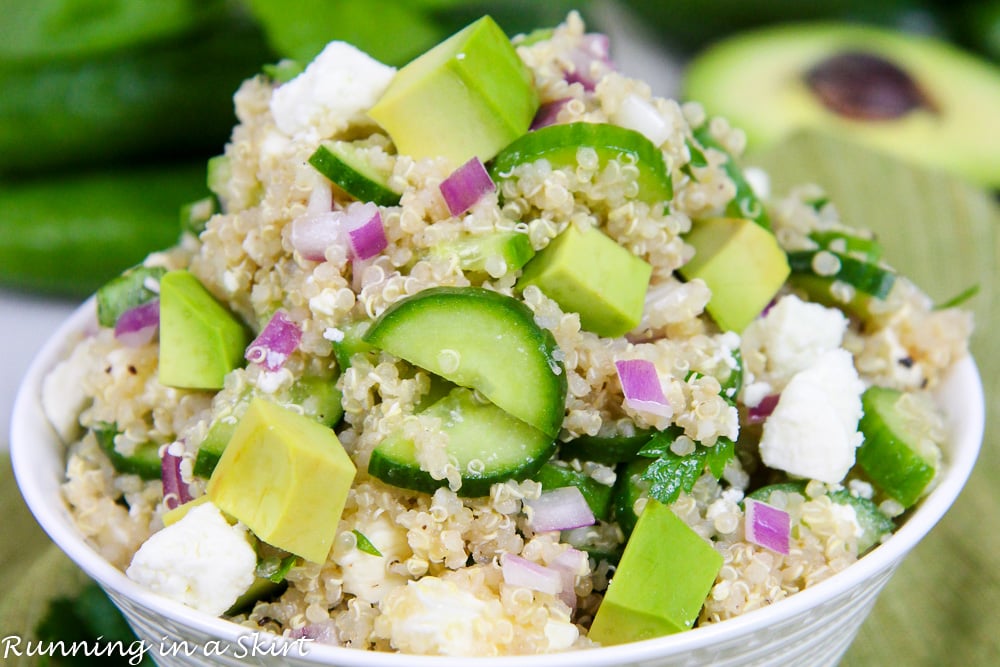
(466, 185)
(569, 564)
(767, 526)
(137, 326)
(760, 412)
(548, 113)
(272, 347)
(365, 232)
(594, 47)
(312, 234)
(175, 490)
(522, 572)
(564, 508)
(641, 385)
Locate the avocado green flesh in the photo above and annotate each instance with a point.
(742, 264)
(661, 582)
(756, 81)
(483, 340)
(468, 96)
(200, 340)
(504, 447)
(590, 274)
(279, 471)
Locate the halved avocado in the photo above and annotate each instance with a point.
(916, 97)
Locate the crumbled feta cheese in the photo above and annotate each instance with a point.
(812, 431)
(792, 335)
(759, 181)
(200, 561)
(435, 616)
(561, 634)
(63, 393)
(334, 91)
(365, 575)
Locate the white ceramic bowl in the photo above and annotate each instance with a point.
(812, 628)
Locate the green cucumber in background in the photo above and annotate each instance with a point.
(164, 99)
(69, 235)
(45, 30)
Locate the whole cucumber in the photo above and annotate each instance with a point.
(70, 235)
(149, 104)
(42, 30)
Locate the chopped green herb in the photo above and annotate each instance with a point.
(669, 473)
(959, 298)
(364, 544)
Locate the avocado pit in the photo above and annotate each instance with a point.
(865, 86)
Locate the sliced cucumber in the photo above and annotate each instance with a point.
(342, 163)
(130, 289)
(628, 489)
(608, 450)
(745, 204)
(848, 243)
(863, 276)
(483, 340)
(896, 454)
(487, 444)
(559, 145)
(319, 399)
(875, 525)
(144, 462)
(554, 475)
(351, 343)
(475, 253)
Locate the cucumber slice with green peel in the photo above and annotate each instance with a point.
(494, 254)
(863, 276)
(848, 243)
(487, 444)
(482, 340)
(745, 204)
(345, 165)
(144, 461)
(132, 288)
(559, 145)
(319, 398)
(897, 454)
(608, 450)
(875, 525)
(554, 475)
(629, 488)
(827, 291)
(211, 448)
(349, 343)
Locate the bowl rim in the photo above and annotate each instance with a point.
(966, 423)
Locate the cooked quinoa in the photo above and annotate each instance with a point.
(443, 545)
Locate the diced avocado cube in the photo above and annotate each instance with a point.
(742, 264)
(590, 274)
(470, 95)
(286, 477)
(171, 517)
(200, 340)
(661, 583)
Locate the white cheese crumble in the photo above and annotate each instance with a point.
(200, 561)
(790, 338)
(366, 575)
(63, 393)
(813, 431)
(334, 91)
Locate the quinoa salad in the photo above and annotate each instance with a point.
(583, 382)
